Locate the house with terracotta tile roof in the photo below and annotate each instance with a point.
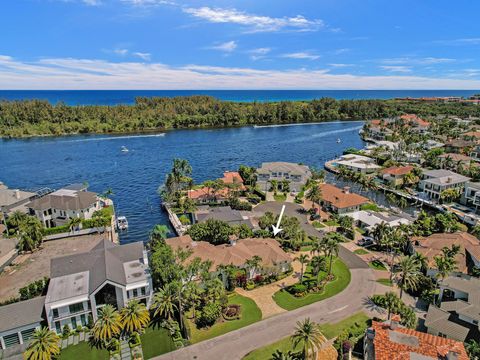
(431, 246)
(341, 201)
(415, 123)
(394, 175)
(391, 341)
(472, 135)
(204, 195)
(458, 315)
(236, 253)
(233, 177)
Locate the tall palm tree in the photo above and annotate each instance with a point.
(274, 185)
(331, 244)
(407, 274)
(308, 335)
(392, 302)
(16, 218)
(108, 324)
(253, 264)
(315, 195)
(302, 259)
(30, 231)
(134, 316)
(158, 234)
(43, 345)
(317, 263)
(164, 302)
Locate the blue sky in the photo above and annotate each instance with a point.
(244, 44)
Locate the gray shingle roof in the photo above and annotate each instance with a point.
(65, 200)
(438, 319)
(104, 262)
(21, 313)
(290, 168)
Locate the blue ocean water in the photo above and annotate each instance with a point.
(113, 97)
(135, 176)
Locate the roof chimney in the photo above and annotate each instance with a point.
(17, 194)
(395, 322)
(233, 240)
(346, 189)
(452, 355)
(449, 179)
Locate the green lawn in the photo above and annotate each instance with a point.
(280, 197)
(250, 313)
(377, 265)
(156, 341)
(330, 223)
(385, 282)
(83, 351)
(361, 252)
(342, 278)
(371, 207)
(329, 330)
(317, 224)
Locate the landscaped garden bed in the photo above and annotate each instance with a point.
(299, 295)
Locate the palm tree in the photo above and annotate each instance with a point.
(43, 346)
(408, 274)
(285, 185)
(392, 303)
(107, 193)
(134, 317)
(317, 247)
(164, 302)
(317, 263)
(280, 355)
(274, 184)
(31, 236)
(108, 324)
(302, 259)
(73, 223)
(253, 264)
(473, 348)
(315, 196)
(308, 335)
(16, 218)
(331, 244)
(158, 234)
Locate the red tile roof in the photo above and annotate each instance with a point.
(230, 177)
(340, 198)
(397, 170)
(412, 118)
(389, 345)
(475, 134)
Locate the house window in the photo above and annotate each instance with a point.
(58, 327)
(11, 340)
(74, 308)
(27, 334)
(440, 334)
(74, 323)
(135, 293)
(142, 290)
(55, 313)
(83, 319)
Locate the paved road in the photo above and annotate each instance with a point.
(292, 209)
(238, 343)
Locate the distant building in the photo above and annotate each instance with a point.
(236, 253)
(341, 201)
(14, 199)
(57, 208)
(415, 123)
(357, 163)
(471, 195)
(368, 220)
(459, 145)
(82, 283)
(394, 175)
(206, 195)
(389, 340)
(436, 181)
(297, 175)
(458, 315)
(19, 320)
(431, 246)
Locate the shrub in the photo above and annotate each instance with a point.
(55, 230)
(66, 331)
(297, 290)
(258, 279)
(184, 220)
(241, 279)
(209, 314)
(250, 285)
(232, 312)
(34, 289)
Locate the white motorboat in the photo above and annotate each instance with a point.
(124, 149)
(339, 141)
(122, 223)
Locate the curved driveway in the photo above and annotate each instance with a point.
(236, 344)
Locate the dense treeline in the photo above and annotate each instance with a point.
(36, 117)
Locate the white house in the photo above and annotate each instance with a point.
(436, 181)
(82, 283)
(357, 163)
(368, 220)
(57, 208)
(297, 175)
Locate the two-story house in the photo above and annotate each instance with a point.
(57, 208)
(357, 163)
(296, 175)
(394, 175)
(83, 283)
(471, 195)
(458, 315)
(435, 181)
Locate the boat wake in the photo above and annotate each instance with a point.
(326, 133)
(116, 137)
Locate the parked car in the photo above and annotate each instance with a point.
(366, 241)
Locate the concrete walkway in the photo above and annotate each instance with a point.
(236, 344)
(263, 295)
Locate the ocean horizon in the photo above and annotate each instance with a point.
(127, 97)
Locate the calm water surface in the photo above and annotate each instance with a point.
(135, 176)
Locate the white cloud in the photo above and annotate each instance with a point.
(259, 53)
(340, 65)
(463, 41)
(149, 2)
(301, 55)
(418, 61)
(228, 46)
(69, 73)
(255, 23)
(143, 56)
(92, 2)
(121, 52)
(397, 68)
